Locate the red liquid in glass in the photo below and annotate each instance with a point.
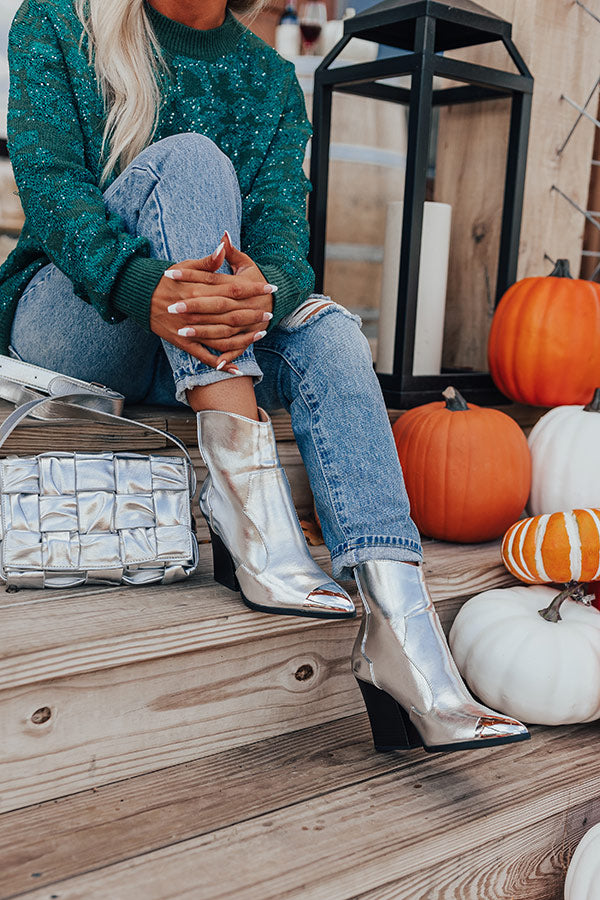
(310, 33)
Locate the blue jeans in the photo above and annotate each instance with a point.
(182, 193)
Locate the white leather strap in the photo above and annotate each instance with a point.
(21, 382)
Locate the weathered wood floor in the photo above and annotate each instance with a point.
(169, 743)
(317, 814)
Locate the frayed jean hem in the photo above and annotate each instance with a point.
(185, 380)
(341, 563)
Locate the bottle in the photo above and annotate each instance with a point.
(287, 33)
(289, 15)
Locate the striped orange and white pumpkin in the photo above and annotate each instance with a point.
(554, 548)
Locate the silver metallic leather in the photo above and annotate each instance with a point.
(401, 649)
(246, 500)
(21, 382)
(104, 518)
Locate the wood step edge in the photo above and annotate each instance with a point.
(63, 636)
(37, 437)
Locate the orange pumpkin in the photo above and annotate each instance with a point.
(555, 547)
(544, 342)
(467, 469)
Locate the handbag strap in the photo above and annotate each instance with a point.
(77, 411)
(18, 393)
(21, 382)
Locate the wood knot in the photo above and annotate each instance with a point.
(41, 715)
(479, 231)
(304, 673)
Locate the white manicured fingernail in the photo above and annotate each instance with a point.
(270, 288)
(187, 332)
(267, 317)
(221, 364)
(174, 274)
(218, 250)
(238, 372)
(229, 237)
(259, 335)
(177, 307)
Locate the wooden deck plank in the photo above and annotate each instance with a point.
(94, 828)
(37, 437)
(34, 436)
(55, 633)
(430, 814)
(529, 864)
(182, 424)
(127, 720)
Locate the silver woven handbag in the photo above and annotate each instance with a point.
(69, 519)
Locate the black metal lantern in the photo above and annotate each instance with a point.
(425, 28)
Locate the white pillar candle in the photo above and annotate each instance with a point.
(431, 298)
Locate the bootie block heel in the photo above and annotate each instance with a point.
(413, 691)
(223, 565)
(259, 548)
(390, 724)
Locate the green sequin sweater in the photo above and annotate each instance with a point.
(224, 82)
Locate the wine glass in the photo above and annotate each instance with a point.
(314, 16)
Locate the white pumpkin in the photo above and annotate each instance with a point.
(583, 874)
(564, 447)
(538, 671)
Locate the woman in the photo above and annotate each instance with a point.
(151, 140)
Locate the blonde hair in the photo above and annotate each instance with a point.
(128, 63)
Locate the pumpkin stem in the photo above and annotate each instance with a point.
(454, 399)
(575, 591)
(561, 269)
(594, 405)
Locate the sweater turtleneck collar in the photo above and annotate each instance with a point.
(195, 42)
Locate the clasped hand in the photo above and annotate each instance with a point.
(195, 307)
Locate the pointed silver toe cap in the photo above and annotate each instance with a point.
(499, 727)
(332, 599)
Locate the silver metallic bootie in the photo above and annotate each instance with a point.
(258, 544)
(413, 691)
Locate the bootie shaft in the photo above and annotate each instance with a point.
(406, 672)
(258, 544)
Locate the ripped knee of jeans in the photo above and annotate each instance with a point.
(312, 306)
(307, 309)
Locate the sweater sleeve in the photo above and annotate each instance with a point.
(275, 230)
(63, 204)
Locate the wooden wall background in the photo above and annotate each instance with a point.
(560, 43)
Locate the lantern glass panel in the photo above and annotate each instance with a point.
(469, 168)
(367, 166)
